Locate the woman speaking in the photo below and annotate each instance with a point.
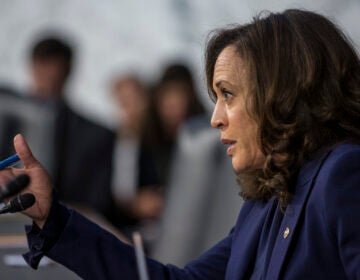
(286, 89)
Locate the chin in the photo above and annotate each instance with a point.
(241, 166)
(237, 166)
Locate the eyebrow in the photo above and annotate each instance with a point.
(218, 84)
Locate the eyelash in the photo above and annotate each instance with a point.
(226, 94)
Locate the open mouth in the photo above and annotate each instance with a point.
(230, 144)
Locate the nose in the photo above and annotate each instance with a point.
(218, 118)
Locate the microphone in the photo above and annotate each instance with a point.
(19, 203)
(15, 186)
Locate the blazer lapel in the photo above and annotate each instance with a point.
(246, 240)
(292, 214)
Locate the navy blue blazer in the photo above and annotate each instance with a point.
(317, 237)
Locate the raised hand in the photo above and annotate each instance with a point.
(40, 184)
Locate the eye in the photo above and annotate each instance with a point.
(226, 94)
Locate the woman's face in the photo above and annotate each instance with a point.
(132, 102)
(238, 130)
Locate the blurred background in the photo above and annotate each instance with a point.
(111, 97)
(113, 36)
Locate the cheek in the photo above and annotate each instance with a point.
(247, 154)
(247, 158)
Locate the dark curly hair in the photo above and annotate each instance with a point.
(304, 94)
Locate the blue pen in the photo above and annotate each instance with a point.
(9, 161)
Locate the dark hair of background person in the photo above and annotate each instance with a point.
(304, 93)
(53, 48)
(179, 74)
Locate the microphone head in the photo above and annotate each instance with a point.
(15, 186)
(22, 202)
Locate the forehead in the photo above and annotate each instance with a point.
(229, 67)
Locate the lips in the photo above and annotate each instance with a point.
(231, 144)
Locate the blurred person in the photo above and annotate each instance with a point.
(81, 170)
(50, 66)
(203, 212)
(286, 89)
(138, 198)
(174, 102)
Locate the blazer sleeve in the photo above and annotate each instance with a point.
(342, 208)
(93, 253)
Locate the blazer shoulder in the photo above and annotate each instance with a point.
(339, 177)
(341, 160)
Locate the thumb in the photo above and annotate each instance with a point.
(24, 152)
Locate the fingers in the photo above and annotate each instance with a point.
(24, 152)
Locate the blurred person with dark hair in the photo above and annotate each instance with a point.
(135, 190)
(174, 102)
(51, 65)
(286, 89)
(81, 170)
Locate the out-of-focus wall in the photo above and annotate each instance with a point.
(115, 36)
